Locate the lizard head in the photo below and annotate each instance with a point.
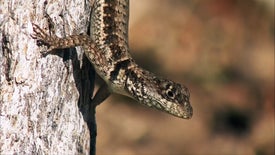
(160, 93)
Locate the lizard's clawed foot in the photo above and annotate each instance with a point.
(43, 38)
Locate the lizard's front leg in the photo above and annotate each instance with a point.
(54, 42)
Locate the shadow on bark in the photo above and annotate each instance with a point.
(85, 82)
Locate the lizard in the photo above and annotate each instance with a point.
(108, 51)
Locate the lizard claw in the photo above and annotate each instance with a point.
(42, 38)
(38, 33)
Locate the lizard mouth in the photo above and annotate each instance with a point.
(184, 111)
(188, 112)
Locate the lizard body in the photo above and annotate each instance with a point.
(107, 49)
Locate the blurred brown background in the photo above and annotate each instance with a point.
(223, 51)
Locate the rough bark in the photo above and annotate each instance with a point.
(43, 98)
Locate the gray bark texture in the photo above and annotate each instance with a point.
(44, 99)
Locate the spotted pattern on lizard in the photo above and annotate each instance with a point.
(107, 49)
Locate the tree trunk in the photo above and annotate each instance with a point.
(44, 99)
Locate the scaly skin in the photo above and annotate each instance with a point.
(108, 51)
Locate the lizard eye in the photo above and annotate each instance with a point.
(170, 93)
(170, 90)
